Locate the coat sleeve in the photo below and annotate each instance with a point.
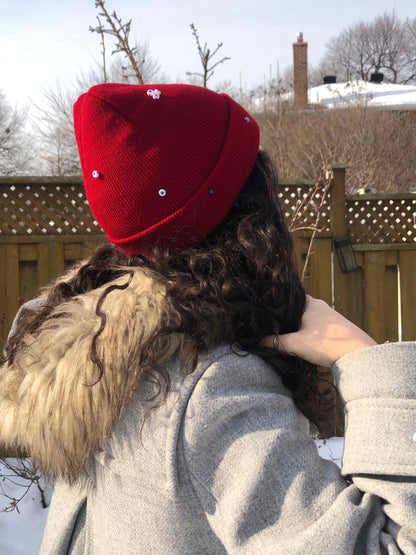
(65, 527)
(259, 476)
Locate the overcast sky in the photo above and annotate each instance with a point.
(42, 41)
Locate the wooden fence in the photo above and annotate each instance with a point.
(46, 225)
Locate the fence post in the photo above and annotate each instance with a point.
(340, 286)
(339, 229)
(338, 220)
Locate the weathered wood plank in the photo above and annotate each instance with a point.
(407, 261)
(3, 295)
(88, 248)
(320, 283)
(301, 246)
(385, 247)
(43, 253)
(374, 295)
(56, 261)
(41, 179)
(98, 237)
(28, 252)
(72, 251)
(12, 283)
(391, 316)
(28, 281)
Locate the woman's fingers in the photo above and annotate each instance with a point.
(324, 335)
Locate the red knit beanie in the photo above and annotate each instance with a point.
(162, 164)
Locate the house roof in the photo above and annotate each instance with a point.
(382, 95)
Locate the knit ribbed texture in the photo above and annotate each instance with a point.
(169, 169)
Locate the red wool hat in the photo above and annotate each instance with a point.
(162, 164)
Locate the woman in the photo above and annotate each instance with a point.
(164, 382)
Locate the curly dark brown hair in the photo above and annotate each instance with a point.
(235, 286)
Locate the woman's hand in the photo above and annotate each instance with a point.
(324, 335)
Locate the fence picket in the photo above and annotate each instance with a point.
(407, 261)
(3, 294)
(374, 294)
(12, 282)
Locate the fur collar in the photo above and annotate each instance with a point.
(47, 407)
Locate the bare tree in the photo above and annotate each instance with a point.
(16, 150)
(387, 45)
(377, 144)
(121, 32)
(206, 55)
(22, 473)
(54, 119)
(100, 30)
(55, 132)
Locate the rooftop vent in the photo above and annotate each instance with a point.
(328, 79)
(377, 77)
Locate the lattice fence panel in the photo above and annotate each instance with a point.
(383, 220)
(301, 204)
(62, 209)
(38, 209)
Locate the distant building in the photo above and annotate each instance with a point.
(331, 94)
(386, 96)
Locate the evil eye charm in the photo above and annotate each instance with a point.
(155, 94)
(96, 174)
(247, 119)
(162, 192)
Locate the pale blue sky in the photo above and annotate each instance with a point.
(42, 41)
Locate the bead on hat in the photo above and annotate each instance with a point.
(155, 94)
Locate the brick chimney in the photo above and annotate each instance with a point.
(300, 66)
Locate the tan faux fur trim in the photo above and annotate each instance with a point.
(46, 405)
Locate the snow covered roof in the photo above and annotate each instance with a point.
(383, 95)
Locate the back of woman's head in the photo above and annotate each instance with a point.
(222, 250)
(245, 269)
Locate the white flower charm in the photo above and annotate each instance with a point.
(96, 174)
(155, 94)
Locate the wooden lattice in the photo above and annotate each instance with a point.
(294, 196)
(35, 207)
(50, 208)
(382, 219)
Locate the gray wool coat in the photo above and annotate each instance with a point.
(225, 464)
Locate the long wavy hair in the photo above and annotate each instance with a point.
(235, 286)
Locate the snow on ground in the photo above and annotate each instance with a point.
(352, 93)
(331, 449)
(21, 531)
